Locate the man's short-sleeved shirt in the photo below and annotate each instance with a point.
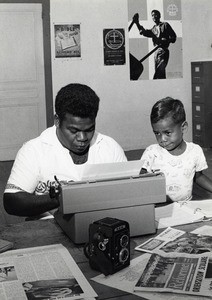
(44, 157)
(179, 170)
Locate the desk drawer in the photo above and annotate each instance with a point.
(198, 111)
(199, 132)
(198, 127)
(197, 72)
(198, 92)
(198, 139)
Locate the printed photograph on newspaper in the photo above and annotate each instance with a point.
(47, 272)
(174, 240)
(153, 245)
(178, 273)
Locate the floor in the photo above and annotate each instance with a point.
(5, 168)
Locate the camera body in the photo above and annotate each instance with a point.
(109, 245)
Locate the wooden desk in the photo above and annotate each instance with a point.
(47, 232)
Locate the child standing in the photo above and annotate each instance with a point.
(180, 161)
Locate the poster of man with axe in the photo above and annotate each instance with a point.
(162, 35)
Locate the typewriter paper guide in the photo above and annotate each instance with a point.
(111, 170)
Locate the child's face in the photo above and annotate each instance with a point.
(168, 134)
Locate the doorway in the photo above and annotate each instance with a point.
(26, 105)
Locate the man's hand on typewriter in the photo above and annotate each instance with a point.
(55, 189)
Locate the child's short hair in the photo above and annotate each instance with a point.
(168, 107)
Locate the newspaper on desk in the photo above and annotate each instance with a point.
(47, 272)
(178, 273)
(174, 240)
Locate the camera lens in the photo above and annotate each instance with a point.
(123, 255)
(102, 246)
(124, 240)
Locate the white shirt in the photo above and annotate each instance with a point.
(179, 170)
(40, 159)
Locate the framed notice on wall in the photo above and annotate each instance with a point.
(67, 40)
(114, 46)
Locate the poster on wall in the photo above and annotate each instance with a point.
(114, 46)
(155, 39)
(67, 40)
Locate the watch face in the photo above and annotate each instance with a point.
(114, 39)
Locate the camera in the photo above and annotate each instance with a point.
(108, 249)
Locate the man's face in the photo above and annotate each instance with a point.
(155, 17)
(75, 133)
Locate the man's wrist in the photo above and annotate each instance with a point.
(55, 202)
(140, 28)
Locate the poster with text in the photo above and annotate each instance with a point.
(67, 40)
(155, 39)
(114, 46)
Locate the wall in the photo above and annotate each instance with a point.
(125, 105)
